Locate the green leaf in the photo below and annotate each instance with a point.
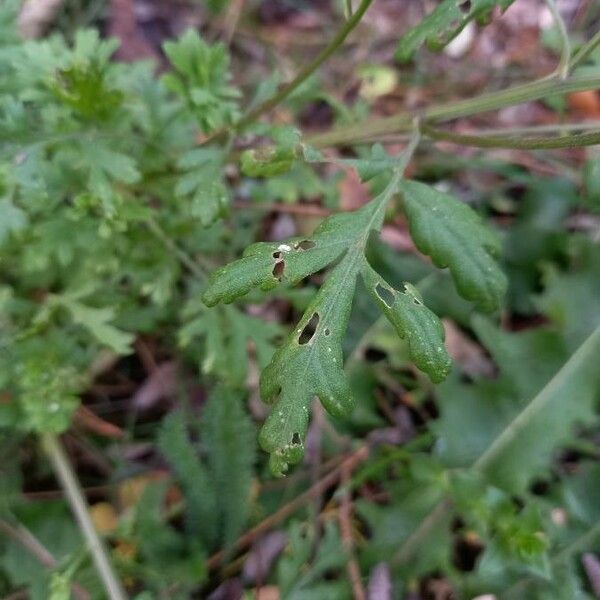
(83, 87)
(12, 219)
(228, 434)
(570, 298)
(97, 322)
(47, 394)
(267, 162)
(201, 78)
(525, 445)
(226, 332)
(414, 322)
(216, 489)
(504, 428)
(296, 582)
(454, 236)
(175, 445)
(444, 23)
(310, 363)
(202, 185)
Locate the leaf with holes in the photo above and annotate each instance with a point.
(310, 363)
(265, 264)
(414, 322)
(444, 23)
(454, 236)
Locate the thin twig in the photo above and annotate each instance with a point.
(291, 507)
(301, 77)
(562, 70)
(345, 520)
(183, 257)
(585, 50)
(402, 121)
(68, 480)
(23, 536)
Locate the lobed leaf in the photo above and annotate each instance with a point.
(414, 322)
(310, 363)
(266, 264)
(454, 236)
(444, 23)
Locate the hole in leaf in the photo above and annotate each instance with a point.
(374, 354)
(465, 7)
(276, 255)
(466, 551)
(327, 331)
(309, 330)
(304, 245)
(296, 441)
(278, 270)
(385, 295)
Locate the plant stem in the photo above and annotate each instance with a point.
(562, 70)
(585, 51)
(183, 257)
(533, 143)
(402, 121)
(301, 77)
(286, 90)
(68, 480)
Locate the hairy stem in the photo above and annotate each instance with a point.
(402, 121)
(518, 143)
(68, 480)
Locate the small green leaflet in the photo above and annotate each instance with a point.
(96, 321)
(217, 488)
(414, 322)
(201, 78)
(444, 23)
(202, 185)
(226, 332)
(454, 236)
(310, 363)
(12, 219)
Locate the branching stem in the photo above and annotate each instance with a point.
(533, 143)
(582, 54)
(402, 121)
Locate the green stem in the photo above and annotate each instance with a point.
(68, 480)
(585, 50)
(183, 257)
(565, 52)
(533, 143)
(402, 121)
(301, 77)
(286, 90)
